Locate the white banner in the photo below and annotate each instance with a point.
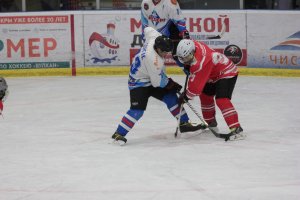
(113, 38)
(35, 41)
(273, 39)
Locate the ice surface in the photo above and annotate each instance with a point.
(55, 144)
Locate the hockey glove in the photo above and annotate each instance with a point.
(173, 86)
(182, 98)
(186, 69)
(184, 34)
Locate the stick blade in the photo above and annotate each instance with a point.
(214, 37)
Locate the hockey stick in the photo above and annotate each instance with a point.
(220, 35)
(181, 108)
(218, 135)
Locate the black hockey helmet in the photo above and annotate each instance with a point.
(163, 43)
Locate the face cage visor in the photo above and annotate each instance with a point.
(186, 60)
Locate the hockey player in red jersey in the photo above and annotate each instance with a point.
(212, 78)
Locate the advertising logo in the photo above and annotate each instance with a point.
(104, 47)
(292, 43)
(234, 53)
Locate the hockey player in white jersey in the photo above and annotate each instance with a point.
(161, 15)
(166, 17)
(148, 78)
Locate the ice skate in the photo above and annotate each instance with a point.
(214, 125)
(189, 127)
(235, 134)
(119, 138)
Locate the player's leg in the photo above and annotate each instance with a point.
(207, 100)
(138, 103)
(171, 100)
(224, 89)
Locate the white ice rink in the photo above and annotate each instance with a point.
(55, 144)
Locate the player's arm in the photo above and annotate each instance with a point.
(159, 78)
(156, 70)
(197, 81)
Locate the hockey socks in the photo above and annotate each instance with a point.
(228, 111)
(171, 100)
(129, 120)
(208, 108)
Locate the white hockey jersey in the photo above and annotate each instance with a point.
(148, 67)
(161, 15)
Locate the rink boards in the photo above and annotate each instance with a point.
(82, 43)
(115, 71)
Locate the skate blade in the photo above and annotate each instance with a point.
(237, 137)
(216, 129)
(118, 142)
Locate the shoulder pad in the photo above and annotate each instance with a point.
(151, 33)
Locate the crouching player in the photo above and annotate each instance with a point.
(213, 77)
(148, 78)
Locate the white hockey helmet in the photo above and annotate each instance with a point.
(185, 50)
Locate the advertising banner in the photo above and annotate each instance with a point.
(39, 41)
(273, 39)
(108, 37)
(113, 38)
(267, 39)
(224, 31)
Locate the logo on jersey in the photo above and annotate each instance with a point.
(156, 61)
(104, 46)
(292, 43)
(234, 53)
(155, 19)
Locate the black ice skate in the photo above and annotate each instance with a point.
(119, 138)
(189, 127)
(213, 125)
(235, 134)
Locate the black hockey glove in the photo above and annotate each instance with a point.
(2, 94)
(184, 34)
(186, 69)
(173, 86)
(182, 98)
